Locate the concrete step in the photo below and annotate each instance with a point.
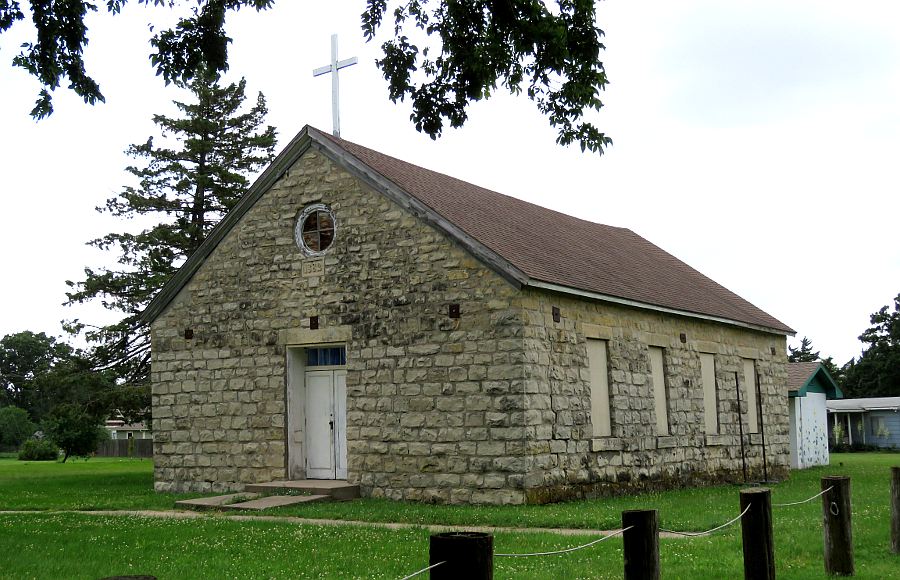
(215, 502)
(274, 501)
(335, 488)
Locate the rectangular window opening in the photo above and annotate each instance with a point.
(660, 392)
(598, 365)
(710, 393)
(327, 356)
(750, 391)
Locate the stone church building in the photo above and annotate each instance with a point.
(358, 317)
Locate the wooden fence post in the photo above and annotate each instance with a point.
(756, 532)
(641, 544)
(895, 510)
(467, 555)
(836, 528)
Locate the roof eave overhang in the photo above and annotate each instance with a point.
(653, 307)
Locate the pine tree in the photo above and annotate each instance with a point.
(186, 186)
(804, 353)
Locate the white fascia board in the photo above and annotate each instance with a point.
(653, 307)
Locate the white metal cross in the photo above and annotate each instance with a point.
(333, 68)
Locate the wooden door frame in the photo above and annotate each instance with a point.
(295, 405)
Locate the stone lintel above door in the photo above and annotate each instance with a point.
(305, 336)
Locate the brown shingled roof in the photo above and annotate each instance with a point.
(562, 250)
(526, 243)
(799, 373)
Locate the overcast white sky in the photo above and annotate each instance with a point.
(757, 141)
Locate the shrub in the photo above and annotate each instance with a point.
(38, 450)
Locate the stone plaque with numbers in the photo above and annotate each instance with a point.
(313, 267)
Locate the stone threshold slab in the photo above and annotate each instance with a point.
(274, 501)
(214, 502)
(336, 488)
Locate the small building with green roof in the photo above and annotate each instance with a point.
(809, 386)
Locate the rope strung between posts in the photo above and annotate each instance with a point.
(616, 533)
(821, 493)
(707, 532)
(422, 571)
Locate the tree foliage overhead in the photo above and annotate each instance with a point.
(186, 185)
(549, 49)
(876, 373)
(197, 41)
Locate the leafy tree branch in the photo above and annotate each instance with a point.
(547, 49)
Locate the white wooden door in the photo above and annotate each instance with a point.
(326, 424)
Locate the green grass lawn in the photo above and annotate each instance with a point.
(99, 483)
(679, 510)
(75, 546)
(66, 545)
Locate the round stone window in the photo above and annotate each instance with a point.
(315, 228)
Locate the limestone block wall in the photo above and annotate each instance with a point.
(490, 407)
(566, 459)
(435, 406)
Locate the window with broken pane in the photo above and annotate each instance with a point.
(315, 229)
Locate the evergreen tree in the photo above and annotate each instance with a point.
(836, 372)
(804, 353)
(185, 185)
(876, 373)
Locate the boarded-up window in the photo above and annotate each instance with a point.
(710, 392)
(660, 395)
(597, 362)
(750, 390)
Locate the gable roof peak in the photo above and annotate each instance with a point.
(801, 375)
